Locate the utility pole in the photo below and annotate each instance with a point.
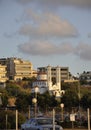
(29, 113)
(53, 119)
(0, 99)
(16, 119)
(88, 113)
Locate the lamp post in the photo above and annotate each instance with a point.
(79, 93)
(79, 97)
(16, 119)
(34, 100)
(62, 110)
(36, 92)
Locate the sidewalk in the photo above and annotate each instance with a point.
(75, 129)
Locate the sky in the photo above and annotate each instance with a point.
(47, 32)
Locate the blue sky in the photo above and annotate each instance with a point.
(47, 32)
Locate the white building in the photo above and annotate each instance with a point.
(44, 82)
(41, 83)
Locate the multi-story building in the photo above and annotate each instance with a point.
(3, 76)
(52, 82)
(17, 68)
(4, 61)
(85, 76)
(64, 72)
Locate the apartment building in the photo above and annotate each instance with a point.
(18, 69)
(64, 72)
(3, 74)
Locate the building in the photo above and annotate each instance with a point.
(3, 75)
(49, 78)
(41, 83)
(85, 76)
(64, 72)
(17, 69)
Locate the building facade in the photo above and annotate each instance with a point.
(41, 83)
(17, 69)
(85, 76)
(52, 80)
(64, 72)
(3, 75)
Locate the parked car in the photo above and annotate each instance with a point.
(40, 123)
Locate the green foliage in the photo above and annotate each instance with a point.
(29, 79)
(11, 119)
(86, 100)
(82, 82)
(4, 97)
(46, 100)
(12, 89)
(70, 99)
(22, 101)
(66, 86)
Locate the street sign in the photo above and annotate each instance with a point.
(72, 117)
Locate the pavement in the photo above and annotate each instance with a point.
(75, 129)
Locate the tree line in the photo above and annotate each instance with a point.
(21, 92)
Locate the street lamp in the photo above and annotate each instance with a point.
(34, 100)
(79, 93)
(79, 97)
(62, 110)
(36, 90)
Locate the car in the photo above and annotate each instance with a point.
(40, 123)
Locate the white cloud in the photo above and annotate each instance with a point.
(83, 50)
(41, 26)
(89, 35)
(59, 3)
(46, 48)
(47, 25)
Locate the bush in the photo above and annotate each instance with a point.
(11, 119)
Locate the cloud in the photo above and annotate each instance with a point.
(9, 35)
(47, 48)
(59, 3)
(47, 25)
(89, 35)
(24, 1)
(83, 50)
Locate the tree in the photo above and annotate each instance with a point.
(22, 102)
(4, 97)
(86, 100)
(11, 119)
(70, 99)
(46, 101)
(12, 89)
